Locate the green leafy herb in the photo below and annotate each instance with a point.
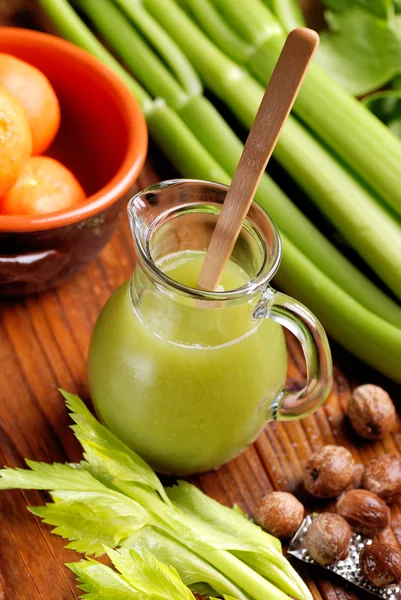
(49, 477)
(382, 9)
(140, 577)
(102, 447)
(100, 582)
(92, 520)
(360, 51)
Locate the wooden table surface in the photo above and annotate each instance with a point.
(43, 346)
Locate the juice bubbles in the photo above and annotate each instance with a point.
(187, 386)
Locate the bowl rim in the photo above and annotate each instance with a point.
(134, 157)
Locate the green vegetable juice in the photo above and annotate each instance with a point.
(186, 385)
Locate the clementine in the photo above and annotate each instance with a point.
(44, 186)
(34, 91)
(15, 140)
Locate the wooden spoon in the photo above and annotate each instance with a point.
(274, 109)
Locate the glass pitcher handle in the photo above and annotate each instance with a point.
(304, 325)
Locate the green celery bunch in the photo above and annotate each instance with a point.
(366, 225)
(182, 93)
(113, 494)
(361, 141)
(212, 131)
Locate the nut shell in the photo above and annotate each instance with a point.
(381, 564)
(357, 476)
(280, 514)
(328, 539)
(371, 412)
(365, 512)
(382, 476)
(329, 471)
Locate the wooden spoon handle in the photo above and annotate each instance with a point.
(274, 109)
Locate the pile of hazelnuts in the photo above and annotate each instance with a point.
(328, 474)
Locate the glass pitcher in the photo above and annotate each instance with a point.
(188, 378)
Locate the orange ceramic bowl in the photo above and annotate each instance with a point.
(102, 139)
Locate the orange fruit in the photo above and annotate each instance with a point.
(15, 140)
(44, 186)
(32, 88)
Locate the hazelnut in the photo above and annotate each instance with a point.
(365, 512)
(371, 412)
(357, 476)
(280, 514)
(382, 476)
(328, 538)
(381, 564)
(329, 471)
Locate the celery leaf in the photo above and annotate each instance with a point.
(92, 520)
(106, 451)
(141, 576)
(361, 52)
(382, 9)
(148, 575)
(43, 476)
(100, 582)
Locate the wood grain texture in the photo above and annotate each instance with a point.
(43, 346)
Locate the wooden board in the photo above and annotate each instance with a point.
(43, 346)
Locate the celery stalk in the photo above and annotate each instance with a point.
(243, 95)
(256, 23)
(251, 582)
(288, 12)
(73, 29)
(364, 223)
(164, 45)
(359, 330)
(203, 11)
(148, 67)
(347, 127)
(225, 147)
(219, 139)
(182, 147)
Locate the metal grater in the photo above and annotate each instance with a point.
(348, 569)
